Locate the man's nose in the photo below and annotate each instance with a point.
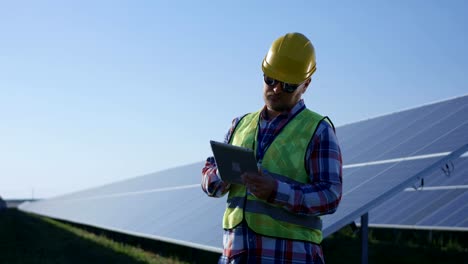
(277, 88)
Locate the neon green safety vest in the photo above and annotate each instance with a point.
(285, 156)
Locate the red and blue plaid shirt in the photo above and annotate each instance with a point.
(321, 196)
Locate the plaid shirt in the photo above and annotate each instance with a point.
(321, 196)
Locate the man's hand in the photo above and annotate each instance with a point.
(259, 184)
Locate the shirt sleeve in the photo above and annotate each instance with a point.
(211, 183)
(324, 164)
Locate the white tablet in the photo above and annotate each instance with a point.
(232, 161)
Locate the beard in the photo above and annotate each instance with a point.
(275, 103)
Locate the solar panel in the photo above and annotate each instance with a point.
(3, 204)
(382, 156)
(388, 181)
(170, 210)
(439, 204)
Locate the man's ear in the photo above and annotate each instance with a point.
(306, 85)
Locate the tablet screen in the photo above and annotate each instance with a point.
(232, 161)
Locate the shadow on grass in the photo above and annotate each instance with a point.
(29, 239)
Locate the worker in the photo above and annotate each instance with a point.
(274, 217)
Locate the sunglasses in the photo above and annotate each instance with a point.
(287, 87)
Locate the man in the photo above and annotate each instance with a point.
(274, 218)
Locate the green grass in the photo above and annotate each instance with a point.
(26, 238)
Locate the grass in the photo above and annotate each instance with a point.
(26, 238)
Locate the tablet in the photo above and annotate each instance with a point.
(232, 161)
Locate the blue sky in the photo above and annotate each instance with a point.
(93, 92)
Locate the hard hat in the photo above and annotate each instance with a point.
(291, 59)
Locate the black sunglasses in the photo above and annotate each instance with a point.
(287, 87)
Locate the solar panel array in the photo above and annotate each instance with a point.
(382, 156)
(440, 203)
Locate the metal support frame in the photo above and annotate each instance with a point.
(364, 237)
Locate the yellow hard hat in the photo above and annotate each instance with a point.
(291, 59)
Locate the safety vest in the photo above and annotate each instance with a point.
(285, 156)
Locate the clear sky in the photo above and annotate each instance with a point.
(93, 92)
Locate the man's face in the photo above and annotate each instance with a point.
(276, 99)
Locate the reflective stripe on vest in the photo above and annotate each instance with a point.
(285, 156)
(277, 213)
